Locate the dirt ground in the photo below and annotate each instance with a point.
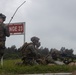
(74, 73)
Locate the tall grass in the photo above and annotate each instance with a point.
(11, 67)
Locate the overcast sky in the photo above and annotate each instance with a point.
(53, 21)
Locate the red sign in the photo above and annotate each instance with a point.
(16, 28)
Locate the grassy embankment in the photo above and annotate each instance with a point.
(11, 67)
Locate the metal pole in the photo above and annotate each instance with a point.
(24, 31)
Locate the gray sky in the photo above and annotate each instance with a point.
(53, 21)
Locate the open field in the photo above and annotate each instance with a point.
(10, 68)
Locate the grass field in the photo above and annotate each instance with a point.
(10, 68)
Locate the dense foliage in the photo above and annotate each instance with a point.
(14, 53)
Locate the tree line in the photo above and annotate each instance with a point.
(15, 53)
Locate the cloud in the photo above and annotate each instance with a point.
(53, 21)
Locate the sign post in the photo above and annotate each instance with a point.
(24, 32)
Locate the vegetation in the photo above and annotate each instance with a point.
(14, 53)
(11, 67)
